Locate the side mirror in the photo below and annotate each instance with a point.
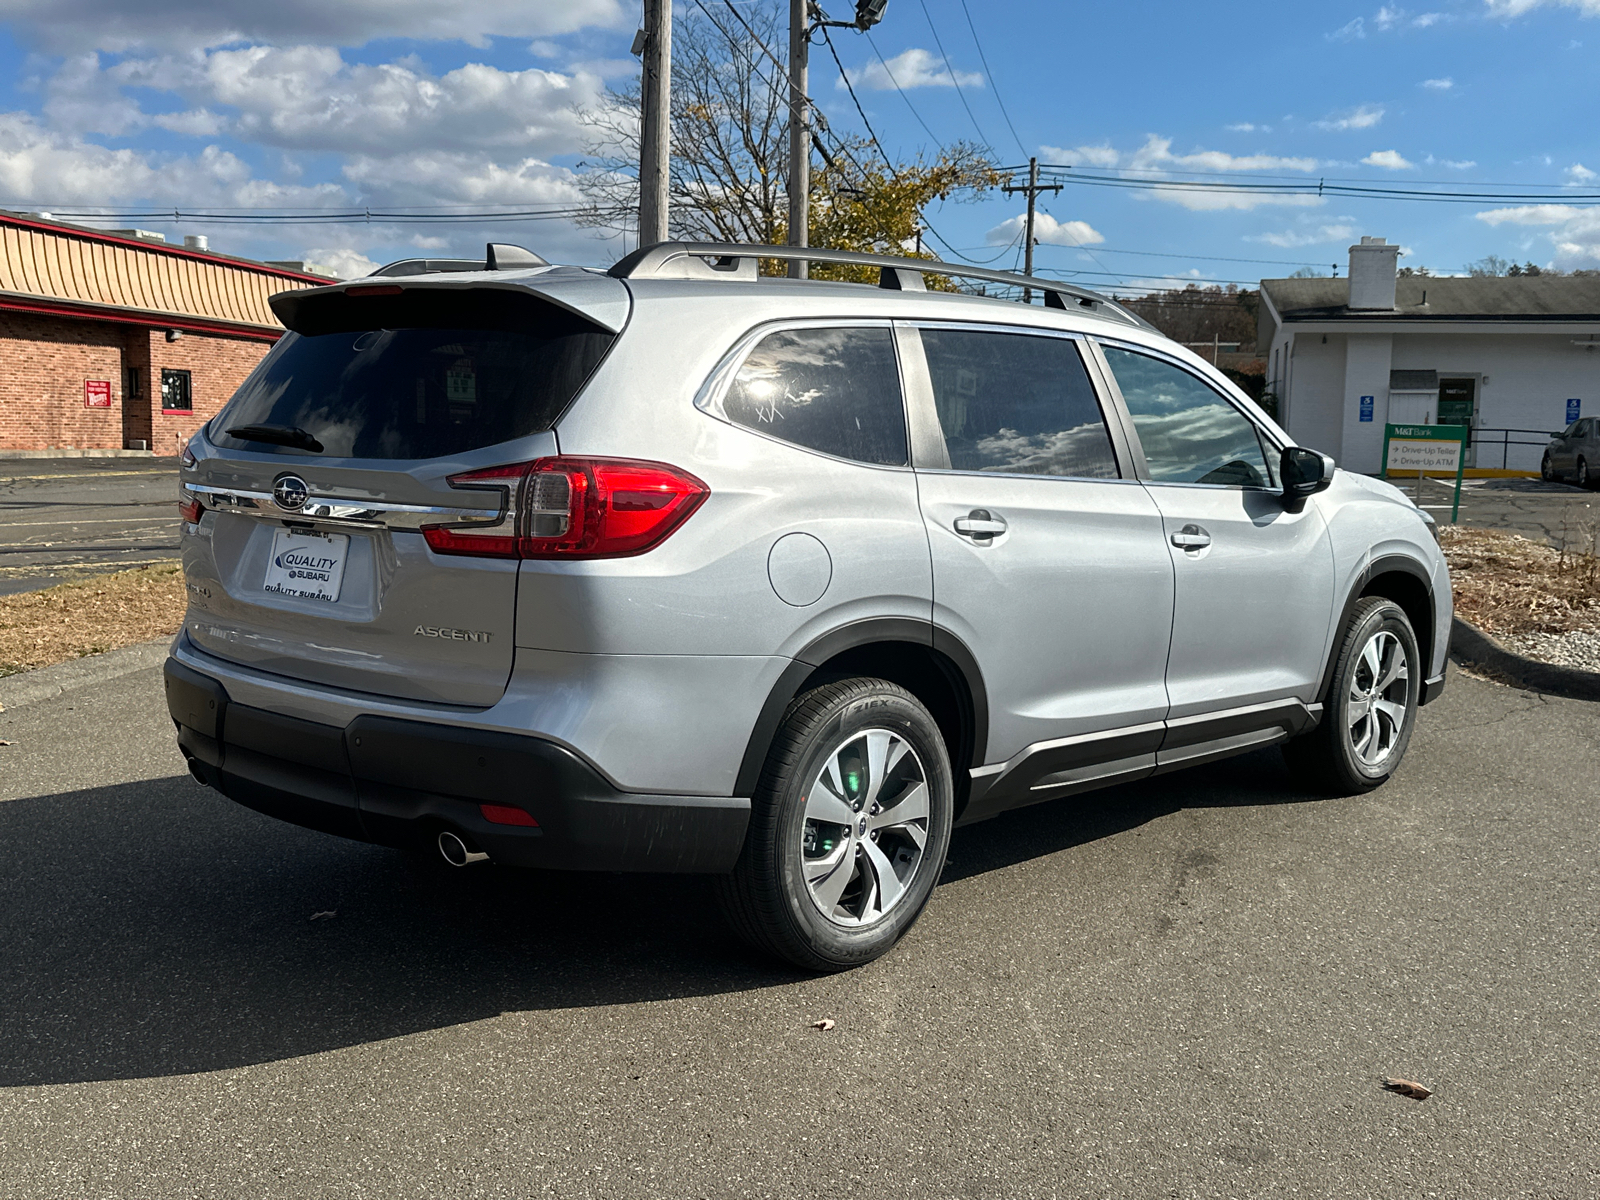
(1304, 473)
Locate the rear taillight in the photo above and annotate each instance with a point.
(574, 508)
(189, 508)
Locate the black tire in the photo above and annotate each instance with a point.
(1327, 760)
(1582, 477)
(767, 898)
(1547, 472)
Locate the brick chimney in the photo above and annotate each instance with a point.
(1372, 266)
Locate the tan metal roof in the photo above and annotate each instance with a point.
(71, 269)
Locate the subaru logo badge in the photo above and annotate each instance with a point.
(290, 493)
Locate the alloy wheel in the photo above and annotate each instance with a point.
(866, 827)
(1380, 694)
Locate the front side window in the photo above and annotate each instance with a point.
(1190, 432)
(1017, 404)
(176, 391)
(836, 391)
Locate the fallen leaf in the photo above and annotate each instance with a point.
(1407, 1088)
(825, 1024)
(324, 916)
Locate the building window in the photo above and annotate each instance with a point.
(176, 396)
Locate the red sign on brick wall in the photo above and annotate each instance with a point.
(97, 393)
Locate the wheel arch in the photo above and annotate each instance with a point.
(931, 663)
(1400, 579)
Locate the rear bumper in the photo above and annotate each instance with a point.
(400, 782)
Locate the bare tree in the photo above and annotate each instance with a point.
(730, 134)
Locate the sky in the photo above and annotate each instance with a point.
(234, 106)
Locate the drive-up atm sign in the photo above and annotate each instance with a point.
(1427, 448)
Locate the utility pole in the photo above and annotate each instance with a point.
(654, 44)
(1033, 189)
(799, 131)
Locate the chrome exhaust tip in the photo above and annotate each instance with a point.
(457, 852)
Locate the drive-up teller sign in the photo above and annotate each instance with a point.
(1427, 448)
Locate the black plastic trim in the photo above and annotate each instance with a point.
(848, 637)
(1014, 784)
(1430, 690)
(398, 782)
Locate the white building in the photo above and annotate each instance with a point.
(1345, 356)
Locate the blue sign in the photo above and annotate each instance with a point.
(1572, 410)
(1366, 408)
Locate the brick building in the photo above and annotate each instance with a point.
(116, 340)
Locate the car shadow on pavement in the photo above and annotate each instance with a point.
(1027, 833)
(156, 928)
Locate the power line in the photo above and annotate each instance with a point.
(960, 91)
(855, 100)
(1318, 187)
(995, 87)
(890, 73)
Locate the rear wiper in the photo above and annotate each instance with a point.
(278, 435)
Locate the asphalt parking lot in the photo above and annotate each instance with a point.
(1187, 987)
(63, 518)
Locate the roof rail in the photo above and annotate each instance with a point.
(718, 260)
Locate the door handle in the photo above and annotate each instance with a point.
(980, 523)
(1191, 537)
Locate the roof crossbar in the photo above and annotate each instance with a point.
(720, 260)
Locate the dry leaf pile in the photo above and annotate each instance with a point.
(73, 620)
(1508, 584)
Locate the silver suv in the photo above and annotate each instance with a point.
(674, 568)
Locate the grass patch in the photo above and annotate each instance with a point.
(1508, 584)
(91, 616)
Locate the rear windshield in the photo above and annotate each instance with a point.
(400, 379)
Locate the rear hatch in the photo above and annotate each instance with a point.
(310, 558)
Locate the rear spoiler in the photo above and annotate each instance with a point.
(594, 296)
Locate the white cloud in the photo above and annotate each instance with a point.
(1574, 231)
(1046, 231)
(310, 98)
(1156, 157)
(342, 261)
(1389, 17)
(911, 68)
(1156, 154)
(1438, 85)
(1292, 239)
(1389, 160)
(1364, 117)
(1082, 156)
(1577, 173)
(1248, 127)
(39, 166)
(1455, 164)
(68, 25)
(1515, 8)
(1532, 214)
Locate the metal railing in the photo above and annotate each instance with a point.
(1505, 441)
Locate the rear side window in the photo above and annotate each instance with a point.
(1017, 404)
(420, 381)
(832, 390)
(1189, 432)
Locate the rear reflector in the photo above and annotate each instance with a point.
(190, 509)
(574, 508)
(504, 814)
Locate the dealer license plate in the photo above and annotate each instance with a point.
(306, 564)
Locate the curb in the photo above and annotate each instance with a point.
(46, 683)
(1471, 645)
